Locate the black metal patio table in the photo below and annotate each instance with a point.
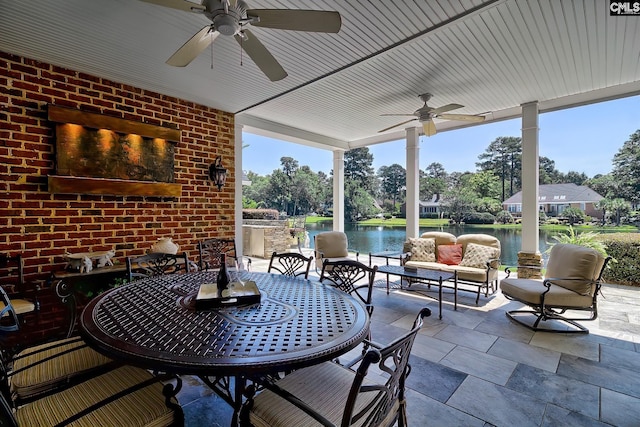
(152, 323)
(426, 276)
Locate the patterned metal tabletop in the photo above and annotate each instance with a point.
(152, 323)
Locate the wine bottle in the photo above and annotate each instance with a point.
(223, 276)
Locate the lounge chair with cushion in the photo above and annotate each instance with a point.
(331, 246)
(571, 284)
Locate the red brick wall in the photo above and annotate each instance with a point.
(42, 226)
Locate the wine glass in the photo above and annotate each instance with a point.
(232, 268)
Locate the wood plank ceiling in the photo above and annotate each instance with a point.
(489, 55)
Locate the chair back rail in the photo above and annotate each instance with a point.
(210, 250)
(352, 277)
(290, 264)
(156, 264)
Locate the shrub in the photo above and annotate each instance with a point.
(504, 217)
(625, 249)
(588, 239)
(542, 217)
(479, 218)
(431, 215)
(260, 214)
(573, 215)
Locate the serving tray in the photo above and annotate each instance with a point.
(238, 293)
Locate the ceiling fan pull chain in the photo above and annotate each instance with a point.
(211, 55)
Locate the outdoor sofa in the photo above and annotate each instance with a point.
(474, 257)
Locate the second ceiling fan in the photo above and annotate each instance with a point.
(233, 17)
(426, 114)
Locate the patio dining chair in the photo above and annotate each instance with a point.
(572, 283)
(43, 369)
(156, 264)
(330, 394)
(12, 281)
(290, 264)
(126, 396)
(352, 277)
(211, 249)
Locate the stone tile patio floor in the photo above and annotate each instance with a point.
(475, 367)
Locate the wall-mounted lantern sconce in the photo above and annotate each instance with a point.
(217, 173)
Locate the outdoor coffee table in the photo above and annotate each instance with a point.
(424, 276)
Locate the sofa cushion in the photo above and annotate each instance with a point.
(441, 237)
(478, 255)
(473, 274)
(423, 249)
(449, 254)
(429, 265)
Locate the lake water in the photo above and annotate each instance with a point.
(367, 239)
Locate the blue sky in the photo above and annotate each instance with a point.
(582, 139)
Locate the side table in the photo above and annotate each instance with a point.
(387, 255)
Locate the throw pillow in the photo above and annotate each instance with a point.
(450, 254)
(423, 249)
(477, 255)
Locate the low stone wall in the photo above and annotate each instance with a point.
(260, 238)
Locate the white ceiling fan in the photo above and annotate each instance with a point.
(426, 114)
(233, 17)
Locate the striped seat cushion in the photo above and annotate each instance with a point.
(324, 387)
(20, 306)
(40, 369)
(144, 407)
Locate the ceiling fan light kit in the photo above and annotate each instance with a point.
(233, 17)
(426, 114)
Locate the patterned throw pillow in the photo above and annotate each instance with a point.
(478, 255)
(449, 254)
(423, 249)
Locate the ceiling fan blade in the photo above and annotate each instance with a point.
(447, 107)
(461, 117)
(184, 5)
(192, 48)
(297, 20)
(261, 56)
(399, 124)
(429, 128)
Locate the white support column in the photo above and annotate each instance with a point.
(530, 255)
(338, 190)
(238, 187)
(413, 182)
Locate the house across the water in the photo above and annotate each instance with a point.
(555, 198)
